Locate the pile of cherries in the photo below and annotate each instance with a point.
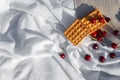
(99, 35)
(101, 58)
(101, 19)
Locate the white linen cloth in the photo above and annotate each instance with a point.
(31, 39)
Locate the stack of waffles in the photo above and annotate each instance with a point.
(81, 28)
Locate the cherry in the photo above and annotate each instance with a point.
(107, 19)
(104, 33)
(99, 32)
(101, 19)
(115, 32)
(102, 59)
(93, 20)
(62, 55)
(114, 45)
(94, 34)
(87, 57)
(99, 38)
(95, 46)
(112, 55)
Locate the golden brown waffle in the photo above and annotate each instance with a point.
(81, 28)
(76, 32)
(93, 27)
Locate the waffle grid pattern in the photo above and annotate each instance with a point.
(93, 27)
(81, 28)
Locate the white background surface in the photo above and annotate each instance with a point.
(31, 39)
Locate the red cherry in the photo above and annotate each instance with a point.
(87, 57)
(99, 35)
(93, 20)
(114, 45)
(101, 19)
(112, 55)
(115, 32)
(99, 31)
(95, 46)
(99, 38)
(94, 34)
(107, 19)
(104, 33)
(62, 56)
(102, 59)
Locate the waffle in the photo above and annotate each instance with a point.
(76, 32)
(93, 27)
(81, 28)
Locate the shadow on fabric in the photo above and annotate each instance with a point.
(83, 10)
(118, 15)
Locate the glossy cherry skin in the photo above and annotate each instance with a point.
(94, 34)
(62, 55)
(99, 33)
(107, 19)
(114, 45)
(87, 57)
(93, 20)
(99, 38)
(101, 19)
(112, 55)
(95, 46)
(104, 33)
(115, 32)
(102, 59)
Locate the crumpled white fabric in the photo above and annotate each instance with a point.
(31, 39)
